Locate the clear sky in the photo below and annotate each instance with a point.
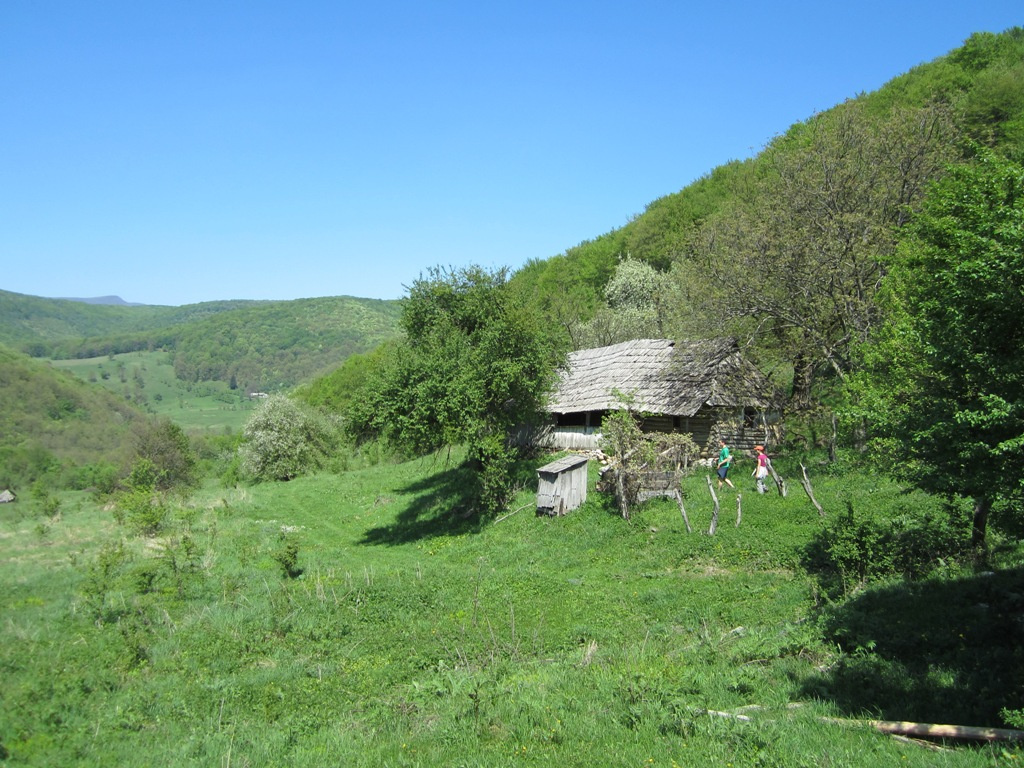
(187, 151)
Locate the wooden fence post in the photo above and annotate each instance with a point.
(682, 511)
(779, 482)
(714, 515)
(806, 482)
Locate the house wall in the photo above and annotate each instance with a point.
(742, 431)
(569, 438)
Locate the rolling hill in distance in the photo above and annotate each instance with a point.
(258, 345)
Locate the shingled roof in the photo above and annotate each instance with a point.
(666, 377)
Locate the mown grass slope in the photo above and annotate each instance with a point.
(365, 619)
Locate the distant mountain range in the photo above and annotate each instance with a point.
(115, 300)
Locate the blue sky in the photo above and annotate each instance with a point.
(187, 151)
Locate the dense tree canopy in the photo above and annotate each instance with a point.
(474, 366)
(948, 373)
(799, 259)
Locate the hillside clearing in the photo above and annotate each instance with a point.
(412, 636)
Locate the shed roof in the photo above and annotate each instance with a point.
(662, 376)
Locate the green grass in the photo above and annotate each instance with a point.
(415, 636)
(148, 380)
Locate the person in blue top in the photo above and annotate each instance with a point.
(724, 462)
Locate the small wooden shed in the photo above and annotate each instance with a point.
(562, 485)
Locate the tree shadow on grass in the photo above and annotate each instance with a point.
(442, 504)
(936, 651)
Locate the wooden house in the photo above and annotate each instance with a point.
(702, 388)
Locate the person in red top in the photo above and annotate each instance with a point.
(761, 468)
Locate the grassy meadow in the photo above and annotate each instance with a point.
(147, 379)
(364, 619)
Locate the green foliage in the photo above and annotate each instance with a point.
(475, 366)
(284, 439)
(287, 556)
(335, 391)
(164, 445)
(946, 372)
(100, 576)
(142, 510)
(797, 261)
(52, 423)
(870, 544)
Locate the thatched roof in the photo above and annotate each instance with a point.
(665, 377)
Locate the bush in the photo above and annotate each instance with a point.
(165, 445)
(142, 510)
(101, 476)
(283, 440)
(287, 556)
(870, 544)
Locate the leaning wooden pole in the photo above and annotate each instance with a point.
(620, 487)
(682, 511)
(779, 482)
(806, 482)
(714, 515)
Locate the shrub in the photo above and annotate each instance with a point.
(165, 445)
(142, 510)
(287, 556)
(868, 543)
(283, 440)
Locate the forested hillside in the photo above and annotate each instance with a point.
(48, 418)
(36, 325)
(280, 344)
(257, 345)
(787, 250)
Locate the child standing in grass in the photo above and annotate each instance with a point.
(724, 462)
(761, 468)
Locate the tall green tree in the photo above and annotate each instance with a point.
(949, 371)
(476, 363)
(797, 261)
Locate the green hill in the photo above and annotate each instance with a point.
(256, 345)
(981, 84)
(34, 324)
(277, 345)
(52, 421)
